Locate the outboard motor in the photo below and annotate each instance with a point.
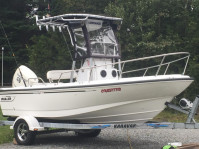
(24, 77)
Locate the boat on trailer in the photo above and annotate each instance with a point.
(101, 89)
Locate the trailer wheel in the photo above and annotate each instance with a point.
(22, 133)
(88, 132)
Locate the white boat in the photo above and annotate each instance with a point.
(101, 90)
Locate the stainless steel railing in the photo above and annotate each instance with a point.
(162, 63)
(184, 56)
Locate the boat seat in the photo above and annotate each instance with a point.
(60, 74)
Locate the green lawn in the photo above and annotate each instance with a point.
(6, 135)
(170, 115)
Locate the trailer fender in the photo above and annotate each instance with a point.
(31, 121)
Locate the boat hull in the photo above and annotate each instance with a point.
(120, 102)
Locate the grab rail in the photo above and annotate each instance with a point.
(38, 78)
(162, 63)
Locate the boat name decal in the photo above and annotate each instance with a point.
(110, 90)
(124, 125)
(7, 98)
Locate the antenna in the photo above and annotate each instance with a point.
(2, 67)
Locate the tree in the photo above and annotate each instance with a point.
(159, 26)
(149, 27)
(18, 29)
(78, 6)
(49, 52)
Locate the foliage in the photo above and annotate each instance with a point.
(6, 135)
(161, 26)
(78, 6)
(18, 29)
(170, 115)
(149, 27)
(48, 52)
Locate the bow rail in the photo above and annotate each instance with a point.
(185, 57)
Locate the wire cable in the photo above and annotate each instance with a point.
(9, 43)
(12, 52)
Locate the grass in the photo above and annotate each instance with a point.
(170, 115)
(6, 135)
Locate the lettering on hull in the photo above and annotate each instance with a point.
(110, 90)
(7, 99)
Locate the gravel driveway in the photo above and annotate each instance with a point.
(112, 139)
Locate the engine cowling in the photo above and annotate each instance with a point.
(23, 77)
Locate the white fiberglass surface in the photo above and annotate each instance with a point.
(110, 81)
(126, 102)
(146, 78)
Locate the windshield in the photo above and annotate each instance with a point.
(102, 38)
(97, 39)
(80, 42)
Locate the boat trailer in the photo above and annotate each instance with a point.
(34, 125)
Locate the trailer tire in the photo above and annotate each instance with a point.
(88, 133)
(22, 134)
